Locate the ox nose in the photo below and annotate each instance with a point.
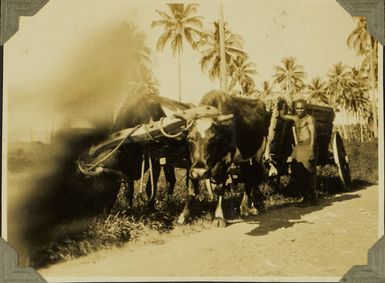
(199, 173)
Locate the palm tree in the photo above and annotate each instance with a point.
(242, 71)
(337, 88)
(355, 103)
(365, 45)
(357, 100)
(144, 82)
(290, 76)
(266, 93)
(179, 24)
(317, 91)
(209, 46)
(139, 49)
(337, 85)
(267, 89)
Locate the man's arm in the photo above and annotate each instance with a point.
(286, 116)
(281, 111)
(311, 127)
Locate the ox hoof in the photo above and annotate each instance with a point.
(245, 212)
(261, 207)
(219, 222)
(182, 219)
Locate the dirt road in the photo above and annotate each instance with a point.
(323, 241)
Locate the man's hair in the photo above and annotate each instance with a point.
(301, 100)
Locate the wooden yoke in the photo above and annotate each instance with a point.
(197, 112)
(147, 133)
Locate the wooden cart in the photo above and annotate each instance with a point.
(331, 149)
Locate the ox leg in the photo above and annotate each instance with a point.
(129, 192)
(258, 197)
(169, 174)
(219, 218)
(258, 200)
(152, 188)
(246, 209)
(192, 187)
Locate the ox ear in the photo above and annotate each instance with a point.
(224, 120)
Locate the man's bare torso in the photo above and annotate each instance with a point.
(302, 128)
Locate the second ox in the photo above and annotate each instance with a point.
(237, 134)
(129, 161)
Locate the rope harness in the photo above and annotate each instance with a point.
(93, 166)
(188, 126)
(95, 169)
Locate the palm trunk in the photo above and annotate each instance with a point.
(223, 74)
(344, 132)
(52, 129)
(373, 87)
(347, 125)
(179, 77)
(288, 90)
(361, 126)
(373, 100)
(289, 97)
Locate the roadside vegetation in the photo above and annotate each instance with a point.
(143, 226)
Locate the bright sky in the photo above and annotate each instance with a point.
(48, 60)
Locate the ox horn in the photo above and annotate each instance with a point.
(93, 173)
(224, 118)
(180, 115)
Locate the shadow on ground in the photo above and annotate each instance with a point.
(274, 219)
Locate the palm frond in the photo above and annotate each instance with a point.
(193, 21)
(164, 15)
(165, 23)
(189, 10)
(163, 39)
(177, 44)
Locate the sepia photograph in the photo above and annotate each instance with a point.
(192, 141)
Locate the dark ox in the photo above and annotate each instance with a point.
(126, 162)
(237, 134)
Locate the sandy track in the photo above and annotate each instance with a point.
(322, 241)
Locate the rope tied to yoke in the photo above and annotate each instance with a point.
(164, 133)
(147, 152)
(132, 131)
(93, 166)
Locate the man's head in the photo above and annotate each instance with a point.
(300, 107)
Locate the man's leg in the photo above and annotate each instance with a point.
(299, 175)
(309, 192)
(313, 195)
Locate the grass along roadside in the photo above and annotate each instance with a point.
(142, 226)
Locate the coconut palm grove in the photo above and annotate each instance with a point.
(350, 90)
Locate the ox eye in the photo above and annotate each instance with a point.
(215, 138)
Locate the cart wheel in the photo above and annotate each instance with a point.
(341, 160)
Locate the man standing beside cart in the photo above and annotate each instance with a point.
(304, 155)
